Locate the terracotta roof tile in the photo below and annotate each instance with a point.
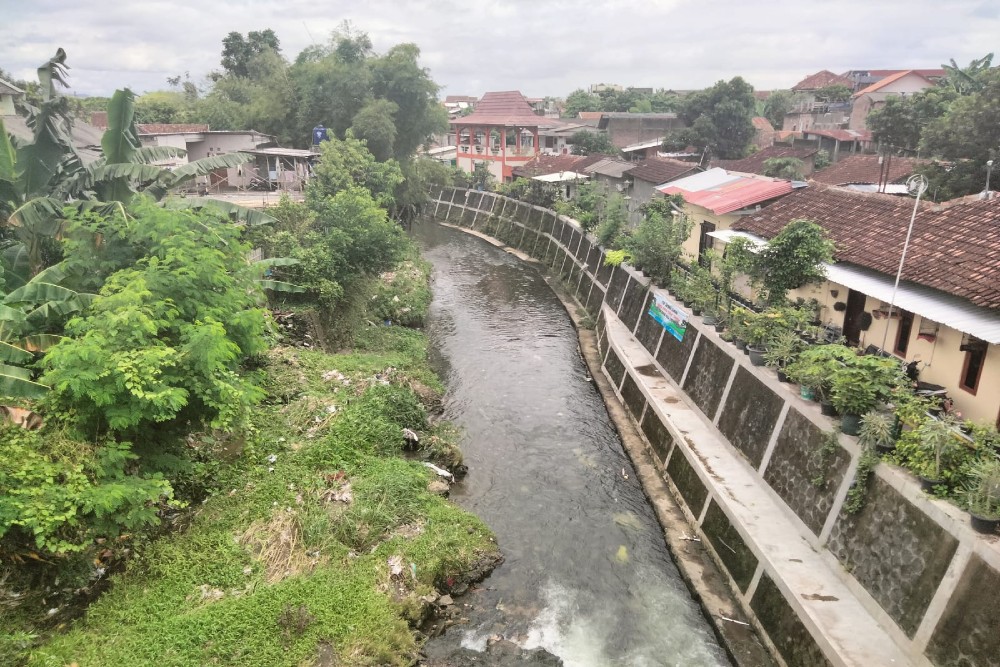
(954, 248)
(822, 79)
(866, 169)
(553, 164)
(754, 164)
(762, 124)
(881, 83)
(505, 108)
(661, 170)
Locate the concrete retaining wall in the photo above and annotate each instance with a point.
(904, 581)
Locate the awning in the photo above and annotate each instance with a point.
(561, 176)
(929, 303)
(727, 235)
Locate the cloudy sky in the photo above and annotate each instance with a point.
(541, 47)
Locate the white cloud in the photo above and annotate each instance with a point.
(542, 47)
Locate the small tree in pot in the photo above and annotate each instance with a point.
(859, 384)
(983, 494)
(782, 349)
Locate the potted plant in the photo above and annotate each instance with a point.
(878, 431)
(936, 441)
(859, 384)
(703, 292)
(738, 326)
(983, 495)
(782, 349)
(813, 370)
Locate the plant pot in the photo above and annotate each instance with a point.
(781, 375)
(756, 355)
(850, 424)
(807, 393)
(720, 327)
(696, 311)
(982, 524)
(740, 344)
(711, 320)
(927, 484)
(826, 407)
(884, 450)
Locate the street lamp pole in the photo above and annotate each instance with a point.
(914, 184)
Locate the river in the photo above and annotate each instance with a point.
(587, 574)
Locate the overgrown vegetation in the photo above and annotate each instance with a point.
(253, 501)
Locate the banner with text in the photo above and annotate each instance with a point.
(669, 315)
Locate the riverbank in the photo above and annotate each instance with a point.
(329, 542)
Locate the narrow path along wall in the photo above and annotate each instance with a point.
(904, 581)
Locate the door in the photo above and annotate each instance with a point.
(852, 317)
(705, 242)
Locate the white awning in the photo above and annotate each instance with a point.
(727, 235)
(561, 176)
(929, 303)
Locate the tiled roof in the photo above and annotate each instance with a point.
(553, 164)
(762, 123)
(882, 83)
(591, 115)
(170, 128)
(930, 73)
(866, 169)
(755, 163)
(505, 108)
(822, 80)
(733, 195)
(955, 249)
(661, 170)
(609, 166)
(455, 99)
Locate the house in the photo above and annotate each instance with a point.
(874, 96)
(839, 142)
(870, 173)
(717, 199)
(456, 105)
(566, 171)
(754, 164)
(946, 310)
(200, 142)
(558, 140)
(811, 112)
(861, 79)
(9, 94)
(650, 174)
(275, 168)
(503, 133)
(611, 174)
(627, 129)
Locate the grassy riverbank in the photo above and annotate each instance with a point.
(323, 544)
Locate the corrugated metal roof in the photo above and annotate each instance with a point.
(927, 302)
(612, 167)
(724, 192)
(561, 176)
(711, 178)
(643, 144)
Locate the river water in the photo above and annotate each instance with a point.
(587, 574)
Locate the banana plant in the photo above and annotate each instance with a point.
(263, 268)
(26, 314)
(40, 177)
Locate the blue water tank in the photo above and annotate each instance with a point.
(319, 134)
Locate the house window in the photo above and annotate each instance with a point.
(975, 359)
(903, 333)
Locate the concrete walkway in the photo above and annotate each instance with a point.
(844, 629)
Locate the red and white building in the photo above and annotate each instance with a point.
(503, 132)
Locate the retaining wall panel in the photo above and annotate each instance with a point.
(649, 330)
(802, 473)
(615, 368)
(658, 436)
(673, 354)
(595, 299)
(735, 555)
(749, 415)
(689, 485)
(632, 397)
(898, 553)
(784, 628)
(967, 633)
(633, 303)
(706, 380)
(616, 289)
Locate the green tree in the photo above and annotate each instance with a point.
(720, 118)
(657, 242)
(965, 80)
(580, 100)
(778, 103)
(348, 162)
(896, 124)
(789, 168)
(375, 125)
(587, 142)
(238, 51)
(167, 334)
(793, 258)
(837, 92)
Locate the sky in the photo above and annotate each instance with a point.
(540, 47)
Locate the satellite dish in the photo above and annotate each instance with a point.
(916, 185)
